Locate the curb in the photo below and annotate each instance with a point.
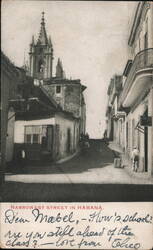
(67, 158)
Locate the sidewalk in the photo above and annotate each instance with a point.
(127, 163)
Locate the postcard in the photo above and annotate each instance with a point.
(76, 125)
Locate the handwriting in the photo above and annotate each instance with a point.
(65, 230)
(124, 243)
(90, 233)
(126, 231)
(61, 232)
(88, 243)
(135, 218)
(40, 217)
(97, 217)
(65, 242)
(11, 217)
(13, 239)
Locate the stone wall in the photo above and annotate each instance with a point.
(68, 98)
(72, 99)
(68, 136)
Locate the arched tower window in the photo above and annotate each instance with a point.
(40, 66)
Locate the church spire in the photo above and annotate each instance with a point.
(59, 69)
(50, 42)
(42, 39)
(41, 54)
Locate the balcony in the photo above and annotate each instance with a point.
(139, 77)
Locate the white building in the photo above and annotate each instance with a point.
(137, 95)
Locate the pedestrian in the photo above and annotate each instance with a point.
(23, 156)
(135, 158)
(87, 136)
(87, 144)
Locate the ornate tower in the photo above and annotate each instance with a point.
(41, 54)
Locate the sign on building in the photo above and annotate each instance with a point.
(145, 121)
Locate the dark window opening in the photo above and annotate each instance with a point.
(40, 66)
(40, 50)
(58, 89)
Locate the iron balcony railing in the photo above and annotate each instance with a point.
(142, 61)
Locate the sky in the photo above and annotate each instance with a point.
(90, 37)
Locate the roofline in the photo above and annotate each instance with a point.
(8, 61)
(54, 103)
(57, 79)
(69, 114)
(64, 82)
(136, 20)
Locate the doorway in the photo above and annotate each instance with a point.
(68, 140)
(146, 148)
(146, 144)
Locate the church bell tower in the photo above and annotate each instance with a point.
(41, 54)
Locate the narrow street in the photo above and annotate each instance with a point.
(89, 176)
(93, 165)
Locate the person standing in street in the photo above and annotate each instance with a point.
(135, 158)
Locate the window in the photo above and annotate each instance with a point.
(32, 139)
(58, 89)
(139, 44)
(133, 134)
(146, 40)
(35, 138)
(32, 134)
(145, 47)
(40, 66)
(146, 35)
(28, 138)
(40, 50)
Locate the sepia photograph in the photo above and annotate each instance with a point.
(76, 101)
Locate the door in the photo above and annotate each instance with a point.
(49, 138)
(32, 136)
(146, 144)
(146, 148)
(68, 140)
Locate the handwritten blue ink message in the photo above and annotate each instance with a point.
(75, 226)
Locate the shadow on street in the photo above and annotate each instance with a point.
(98, 155)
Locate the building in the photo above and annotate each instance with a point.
(50, 110)
(114, 116)
(136, 98)
(9, 80)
